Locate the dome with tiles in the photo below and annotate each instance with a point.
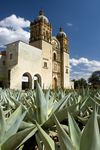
(42, 17)
(61, 33)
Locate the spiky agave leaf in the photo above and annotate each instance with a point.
(75, 132)
(48, 142)
(39, 142)
(60, 104)
(90, 139)
(2, 125)
(10, 138)
(13, 122)
(61, 115)
(41, 104)
(65, 142)
(18, 139)
(9, 126)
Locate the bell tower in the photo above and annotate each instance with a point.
(61, 36)
(40, 30)
(64, 52)
(40, 37)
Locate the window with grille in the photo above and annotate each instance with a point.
(11, 56)
(54, 57)
(45, 65)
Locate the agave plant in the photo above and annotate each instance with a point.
(31, 114)
(41, 108)
(10, 138)
(75, 139)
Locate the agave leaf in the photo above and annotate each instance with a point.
(2, 125)
(65, 101)
(61, 115)
(31, 108)
(98, 117)
(9, 102)
(13, 123)
(83, 105)
(59, 105)
(18, 139)
(65, 127)
(94, 101)
(17, 103)
(25, 125)
(48, 142)
(79, 98)
(83, 120)
(51, 104)
(7, 111)
(90, 139)
(38, 140)
(27, 103)
(41, 105)
(57, 146)
(75, 132)
(18, 96)
(30, 134)
(47, 95)
(65, 142)
(14, 116)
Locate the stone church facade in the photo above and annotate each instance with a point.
(45, 58)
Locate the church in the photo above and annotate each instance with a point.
(45, 59)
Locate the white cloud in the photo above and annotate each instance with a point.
(14, 22)
(12, 29)
(81, 60)
(80, 74)
(69, 24)
(83, 67)
(85, 62)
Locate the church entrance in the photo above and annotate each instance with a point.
(26, 81)
(54, 83)
(37, 78)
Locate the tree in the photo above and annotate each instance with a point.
(94, 79)
(80, 83)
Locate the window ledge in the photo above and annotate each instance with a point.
(45, 67)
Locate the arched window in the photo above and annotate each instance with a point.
(37, 77)
(26, 81)
(54, 56)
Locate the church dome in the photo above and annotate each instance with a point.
(61, 33)
(42, 17)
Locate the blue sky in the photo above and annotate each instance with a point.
(79, 19)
